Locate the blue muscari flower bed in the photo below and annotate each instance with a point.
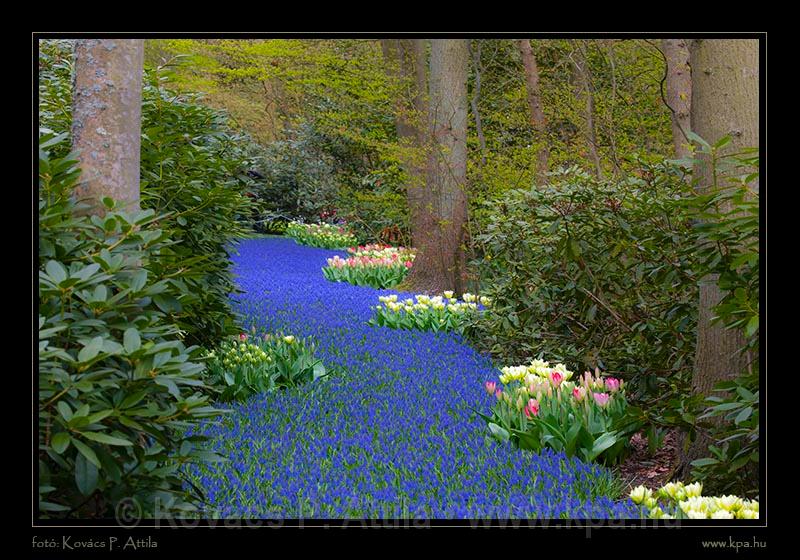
(390, 435)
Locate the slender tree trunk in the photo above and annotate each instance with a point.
(439, 264)
(679, 93)
(106, 120)
(535, 106)
(724, 103)
(583, 81)
(612, 132)
(405, 65)
(475, 49)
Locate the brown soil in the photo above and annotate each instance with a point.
(651, 471)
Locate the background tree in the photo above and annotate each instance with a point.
(406, 67)
(535, 104)
(439, 265)
(724, 103)
(584, 92)
(106, 119)
(679, 93)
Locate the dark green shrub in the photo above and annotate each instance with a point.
(376, 210)
(117, 386)
(592, 273)
(300, 177)
(733, 464)
(193, 169)
(726, 237)
(193, 172)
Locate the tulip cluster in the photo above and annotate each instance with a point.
(539, 405)
(257, 364)
(379, 251)
(377, 266)
(678, 501)
(426, 313)
(326, 236)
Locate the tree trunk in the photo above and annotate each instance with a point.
(106, 120)
(535, 106)
(440, 264)
(405, 66)
(583, 82)
(724, 102)
(679, 93)
(475, 50)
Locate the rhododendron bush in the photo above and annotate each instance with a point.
(377, 266)
(539, 405)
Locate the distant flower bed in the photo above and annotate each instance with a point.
(254, 364)
(377, 266)
(539, 406)
(678, 501)
(326, 236)
(427, 313)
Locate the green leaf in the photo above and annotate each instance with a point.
(131, 340)
(170, 385)
(91, 350)
(167, 304)
(65, 410)
(105, 438)
(85, 474)
(498, 432)
(86, 451)
(60, 442)
(704, 462)
(139, 279)
(56, 271)
(319, 370)
(752, 326)
(743, 415)
(602, 443)
(693, 137)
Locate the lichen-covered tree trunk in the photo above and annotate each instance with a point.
(106, 120)
(405, 65)
(679, 93)
(724, 103)
(535, 107)
(440, 262)
(584, 92)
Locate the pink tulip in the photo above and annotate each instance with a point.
(601, 398)
(490, 386)
(498, 394)
(612, 384)
(532, 408)
(556, 378)
(408, 264)
(243, 337)
(579, 393)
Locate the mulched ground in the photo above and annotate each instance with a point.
(651, 471)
